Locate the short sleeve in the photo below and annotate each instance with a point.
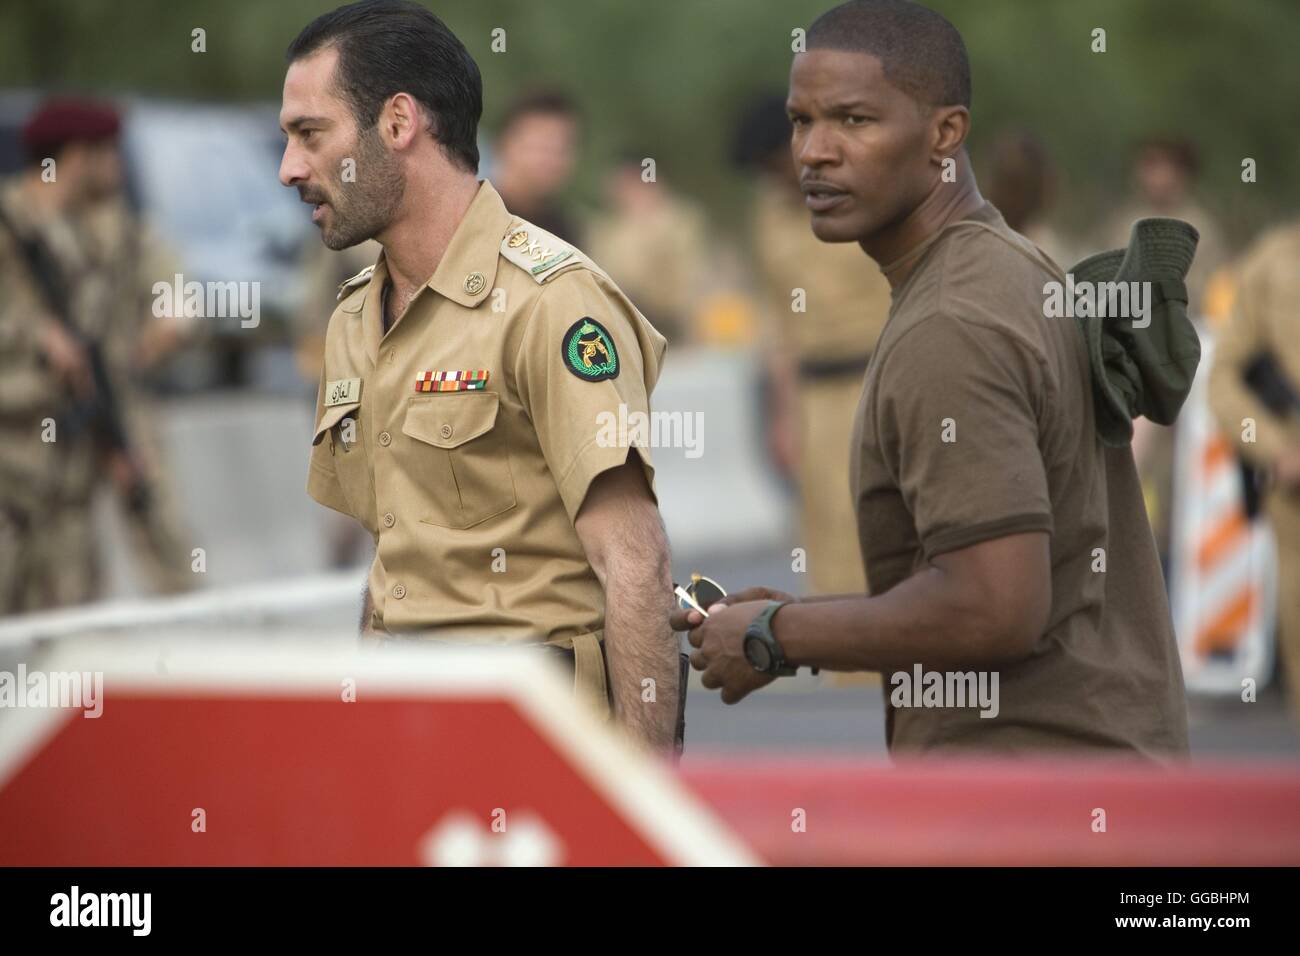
(586, 365)
(957, 412)
(322, 480)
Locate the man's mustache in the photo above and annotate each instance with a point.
(312, 196)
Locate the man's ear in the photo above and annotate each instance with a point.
(950, 126)
(401, 120)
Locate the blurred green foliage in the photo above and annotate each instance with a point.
(668, 77)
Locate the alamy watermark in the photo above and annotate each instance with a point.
(83, 689)
(651, 430)
(946, 689)
(1101, 300)
(208, 300)
(130, 910)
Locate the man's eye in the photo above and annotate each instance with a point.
(307, 134)
(856, 120)
(797, 121)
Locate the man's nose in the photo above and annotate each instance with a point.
(292, 169)
(816, 147)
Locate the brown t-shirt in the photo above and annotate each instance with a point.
(976, 422)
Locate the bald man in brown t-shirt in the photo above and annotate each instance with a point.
(1016, 598)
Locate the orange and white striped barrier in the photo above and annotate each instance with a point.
(1223, 567)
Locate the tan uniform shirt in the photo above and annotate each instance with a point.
(847, 299)
(976, 423)
(471, 494)
(661, 258)
(322, 268)
(1265, 318)
(846, 302)
(1211, 249)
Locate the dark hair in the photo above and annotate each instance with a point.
(539, 102)
(763, 132)
(1021, 177)
(921, 52)
(392, 46)
(1176, 149)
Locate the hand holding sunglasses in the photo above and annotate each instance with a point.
(700, 594)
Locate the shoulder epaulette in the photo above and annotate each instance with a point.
(358, 280)
(537, 252)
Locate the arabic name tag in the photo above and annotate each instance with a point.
(344, 391)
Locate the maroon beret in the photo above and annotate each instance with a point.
(67, 120)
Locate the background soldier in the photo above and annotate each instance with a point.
(1164, 173)
(536, 150)
(1255, 393)
(51, 406)
(657, 243)
(124, 260)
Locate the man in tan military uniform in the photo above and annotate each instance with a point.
(823, 353)
(49, 462)
(125, 259)
(656, 242)
(1164, 174)
(469, 380)
(1265, 323)
(323, 269)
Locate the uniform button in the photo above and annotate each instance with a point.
(389, 520)
(385, 439)
(399, 591)
(445, 431)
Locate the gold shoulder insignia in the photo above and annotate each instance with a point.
(358, 280)
(537, 252)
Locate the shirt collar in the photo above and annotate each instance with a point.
(468, 269)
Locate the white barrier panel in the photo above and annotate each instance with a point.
(1223, 586)
(245, 753)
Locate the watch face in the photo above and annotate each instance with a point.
(758, 653)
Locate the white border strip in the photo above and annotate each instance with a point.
(236, 605)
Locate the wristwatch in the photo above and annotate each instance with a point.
(761, 647)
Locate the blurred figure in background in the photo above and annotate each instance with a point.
(655, 244)
(1022, 183)
(534, 156)
(1255, 394)
(124, 259)
(50, 405)
(825, 307)
(1164, 172)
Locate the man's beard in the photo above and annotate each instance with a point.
(363, 209)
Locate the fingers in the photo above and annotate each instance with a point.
(697, 660)
(684, 619)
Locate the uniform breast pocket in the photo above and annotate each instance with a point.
(458, 459)
(340, 428)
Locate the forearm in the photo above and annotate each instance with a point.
(639, 646)
(925, 619)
